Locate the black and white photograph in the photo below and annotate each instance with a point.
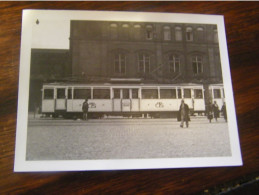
(102, 90)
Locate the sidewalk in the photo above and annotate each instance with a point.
(31, 115)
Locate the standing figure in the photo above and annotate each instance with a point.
(85, 109)
(215, 110)
(224, 111)
(210, 111)
(35, 110)
(184, 114)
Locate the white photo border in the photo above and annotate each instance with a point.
(30, 16)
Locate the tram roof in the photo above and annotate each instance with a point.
(117, 85)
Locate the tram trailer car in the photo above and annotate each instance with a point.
(217, 94)
(142, 100)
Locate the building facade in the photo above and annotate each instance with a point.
(102, 51)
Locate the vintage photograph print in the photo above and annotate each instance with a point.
(124, 90)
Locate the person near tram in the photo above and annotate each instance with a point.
(210, 111)
(215, 110)
(85, 109)
(183, 114)
(224, 111)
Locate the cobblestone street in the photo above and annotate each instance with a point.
(125, 139)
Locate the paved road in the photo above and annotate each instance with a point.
(60, 139)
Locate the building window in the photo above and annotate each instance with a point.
(189, 34)
(149, 32)
(197, 64)
(178, 33)
(137, 31)
(200, 34)
(120, 63)
(174, 64)
(215, 35)
(167, 33)
(113, 31)
(143, 63)
(125, 31)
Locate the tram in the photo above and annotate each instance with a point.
(142, 100)
(217, 94)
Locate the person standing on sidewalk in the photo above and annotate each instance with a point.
(184, 114)
(210, 111)
(224, 111)
(216, 110)
(85, 109)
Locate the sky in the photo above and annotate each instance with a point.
(51, 34)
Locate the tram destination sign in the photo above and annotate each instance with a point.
(105, 90)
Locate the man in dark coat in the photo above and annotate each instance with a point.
(85, 109)
(224, 111)
(210, 111)
(215, 110)
(184, 114)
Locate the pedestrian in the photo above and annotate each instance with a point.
(85, 109)
(184, 114)
(210, 111)
(215, 110)
(224, 111)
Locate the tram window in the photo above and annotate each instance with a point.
(82, 93)
(187, 93)
(149, 94)
(61, 93)
(167, 93)
(116, 93)
(217, 93)
(69, 94)
(48, 94)
(125, 93)
(101, 93)
(198, 94)
(179, 91)
(134, 93)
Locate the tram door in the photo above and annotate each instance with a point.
(61, 99)
(117, 100)
(48, 102)
(121, 100)
(125, 102)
